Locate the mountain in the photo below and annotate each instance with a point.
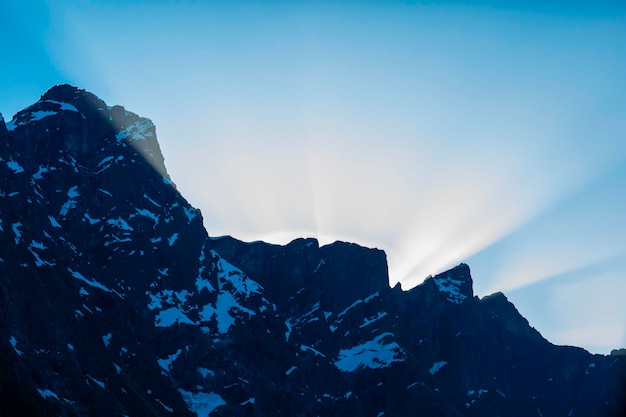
(116, 302)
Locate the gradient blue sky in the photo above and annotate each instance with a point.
(485, 132)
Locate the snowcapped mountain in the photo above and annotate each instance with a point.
(116, 302)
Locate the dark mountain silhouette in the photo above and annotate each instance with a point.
(116, 302)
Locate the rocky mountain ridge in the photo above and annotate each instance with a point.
(115, 301)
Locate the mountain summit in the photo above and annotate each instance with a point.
(116, 302)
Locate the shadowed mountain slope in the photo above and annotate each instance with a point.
(116, 302)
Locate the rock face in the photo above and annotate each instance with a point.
(116, 302)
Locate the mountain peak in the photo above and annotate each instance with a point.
(455, 283)
(69, 120)
(64, 92)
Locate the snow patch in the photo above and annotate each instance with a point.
(205, 372)
(171, 316)
(371, 354)
(136, 131)
(169, 409)
(89, 282)
(357, 302)
(91, 220)
(15, 167)
(53, 222)
(17, 231)
(105, 160)
(202, 403)
(452, 288)
(72, 193)
(190, 212)
(166, 364)
(288, 332)
(120, 224)
(148, 214)
(13, 342)
(42, 170)
(99, 383)
(306, 348)
(63, 105)
(151, 200)
(224, 311)
(368, 321)
(227, 272)
(46, 393)
(38, 115)
(437, 366)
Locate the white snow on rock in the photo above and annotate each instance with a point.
(289, 329)
(99, 383)
(202, 283)
(46, 393)
(168, 409)
(105, 160)
(13, 342)
(190, 212)
(17, 231)
(63, 105)
(357, 302)
(226, 272)
(106, 339)
(171, 316)
(451, 287)
(140, 130)
(306, 348)
(437, 366)
(368, 321)
(224, 312)
(42, 170)
(371, 354)
(166, 364)
(91, 220)
(308, 316)
(89, 282)
(172, 239)
(53, 222)
(38, 261)
(205, 372)
(151, 200)
(120, 224)
(233, 286)
(15, 167)
(72, 193)
(38, 115)
(202, 403)
(148, 214)
(167, 297)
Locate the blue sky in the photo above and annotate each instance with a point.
(483, 132)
